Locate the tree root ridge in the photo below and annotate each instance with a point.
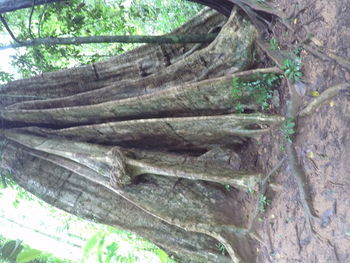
(326, 55)
(262, 190)
(301, 180)
(328, 94)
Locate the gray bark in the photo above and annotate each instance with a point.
(12, 5)
(144, 141)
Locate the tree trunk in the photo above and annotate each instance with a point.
(145, 140)
(13, 5)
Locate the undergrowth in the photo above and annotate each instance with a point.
(292, 69)
(261, 89)
(263, 203)
(288, 129)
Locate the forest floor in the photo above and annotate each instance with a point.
(322, 143)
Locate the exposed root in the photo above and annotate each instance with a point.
(252, 72)
(262, 191)
(274, 55)
(301, 180)
(238, 179)
(238, 244)
(318, 52)
(326, 55)
(340, 60)
(324, 96)
(300, 176)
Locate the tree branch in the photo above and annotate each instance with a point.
(30, 21)
(167, 39)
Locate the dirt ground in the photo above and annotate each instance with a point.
(322, 144)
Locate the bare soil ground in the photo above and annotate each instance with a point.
(322, 143)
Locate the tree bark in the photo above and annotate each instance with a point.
(222, 6)
(13, 5)
(145, 140)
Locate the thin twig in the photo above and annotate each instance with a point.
(30, 20)
(43, 13)
(8, 29)
(164, 39)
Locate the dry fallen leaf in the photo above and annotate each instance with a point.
(311, 155)
(317, 42)
(315, 93)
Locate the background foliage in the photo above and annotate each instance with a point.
(29, 221)
(88, 18)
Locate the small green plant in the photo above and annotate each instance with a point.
(14, 251)
(274, 45)
(239, 108)
(228, 187)
(250, 190)
(282, 148)
(236, 91)
(113, 245)
(260, 89)
(297, 51)
(288, 129)
(263, 202)
(222, 248)
(292, 69)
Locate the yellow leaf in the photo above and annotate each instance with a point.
(295, 21)
(311, 155)
(315, 93)
(332, 103)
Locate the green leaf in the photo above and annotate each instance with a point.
(111, 251)
(163, 257)
(90, 245)
(291, 132)
(131, 259)
(28, 255)
(100, 249)
(290, 124)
